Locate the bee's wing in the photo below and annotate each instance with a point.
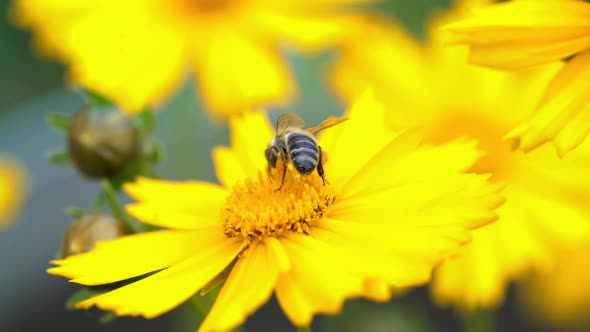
(326, 124)
(288, 120)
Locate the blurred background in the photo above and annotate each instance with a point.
(32, 300)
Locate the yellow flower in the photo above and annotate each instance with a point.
(433, 87)
(12, 182)
(524, 33)
(391, 211)
(137, 52)
(560, 296)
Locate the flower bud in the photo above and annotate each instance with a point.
(81, 235)
(101, 142)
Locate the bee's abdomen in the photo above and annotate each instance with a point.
(304, 152)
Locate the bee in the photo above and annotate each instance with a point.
(294, 144)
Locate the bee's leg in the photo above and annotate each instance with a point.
(320, 167)
(284, 160)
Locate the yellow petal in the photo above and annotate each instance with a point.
(307, 31)
(425, 202)
(564, 112)
(200, 199)
(526, 32)
(350, 144)
(400, 256)
(143, 64)
(165, 290)
(169, 217)
(135, 255)
(249, 286)
(531, 227)
(12, 183)
(318, 282)
(401, 161)
(236, 73)
(250, 135)
(228, 168)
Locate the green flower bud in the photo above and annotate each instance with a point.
(82, 234)
(101, 142)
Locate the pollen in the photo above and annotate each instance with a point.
(256, 209)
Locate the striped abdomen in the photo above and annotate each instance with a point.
(303, 152)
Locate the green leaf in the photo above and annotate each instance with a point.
(157, 153)
(98, 99)
(82, 294)
(146, 120)
(108, 317)
(59, 121)
(75, 212)
(59, 158)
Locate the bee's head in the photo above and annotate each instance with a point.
(272, 155)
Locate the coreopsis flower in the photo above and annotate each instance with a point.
(560, 295)
(390, 211)
(12, 183)
(524, 33)
(432, 86)
(137, 52)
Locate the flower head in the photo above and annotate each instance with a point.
(12, 182)
(391, 211)
(148, 46)
(523, 33)
(433, 87)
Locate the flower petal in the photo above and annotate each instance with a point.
(125, 71)
(12, 183)
(248, 286)
(401, 161)
(527, 32)
(170, 217)
(165, 290)
(190, 198)
(318, 282)
(366, 115)
(563, 115)
(236, 73)
(307, 31)
(134, 255)
(250, 135)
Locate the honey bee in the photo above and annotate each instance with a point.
(294, 144)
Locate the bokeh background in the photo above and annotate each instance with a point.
(32, 300)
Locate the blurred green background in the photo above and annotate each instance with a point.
(34, 301)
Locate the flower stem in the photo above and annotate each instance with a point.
(304, 329)
(480, 321)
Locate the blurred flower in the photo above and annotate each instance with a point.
(12, 190)
(524, 33)
(384, 220)
(433, 87)
(102, 142)
(137, 52)
(560, 296)
(83, 233)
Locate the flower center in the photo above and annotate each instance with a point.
(488, 132)
(256, 209)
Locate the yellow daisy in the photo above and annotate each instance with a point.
(523, 33)
(432, 86)
(391, 211)
(12, 183)
(137, 52)
(560, 296)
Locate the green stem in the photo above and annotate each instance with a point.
(116, 207)
(480, 321)
(304, 329)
